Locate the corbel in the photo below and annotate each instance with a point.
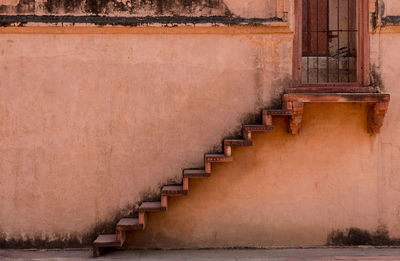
(376, 116)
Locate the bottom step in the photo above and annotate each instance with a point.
(109, 240)
(103, 241)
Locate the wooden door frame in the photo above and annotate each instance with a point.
(363, 52)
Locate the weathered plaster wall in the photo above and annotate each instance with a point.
(91, 124)
(392, 7)
(284, 191)
(294, 190)
(386, 62)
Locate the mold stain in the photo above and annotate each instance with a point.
(357, 237)
(121, 7)
(23, 7)
(73, 240)
(376, 78)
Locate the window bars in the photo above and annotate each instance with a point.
(329, 41)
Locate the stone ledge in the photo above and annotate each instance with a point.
(378, 104)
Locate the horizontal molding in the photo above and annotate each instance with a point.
(391, 20)
(388, 29)
(281, 28)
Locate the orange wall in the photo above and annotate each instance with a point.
(284, 191)
(95, 120)
(91, 123)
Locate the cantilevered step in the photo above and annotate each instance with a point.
(129, 224)
(278, 112)
(108, 240)
(237, 142)
(257, 127)
(217, 158)
(173, 190)
(151, 207)
(103, 241)
(195, 173)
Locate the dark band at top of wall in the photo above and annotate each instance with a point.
(8, 20)
(391, 20)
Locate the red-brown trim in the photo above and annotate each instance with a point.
(297, 48)
(336, 89)
(365, 41)
(363, 52)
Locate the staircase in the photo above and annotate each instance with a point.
(293, 106)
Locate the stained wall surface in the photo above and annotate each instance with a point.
(391, 7)
(91, 124)
(242, 8)
(284, 191)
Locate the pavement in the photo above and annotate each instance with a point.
(358, 253)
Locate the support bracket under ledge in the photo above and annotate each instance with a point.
(378, 104)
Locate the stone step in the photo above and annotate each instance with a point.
(237, 142)
(173, 190)
(195, 173)
(277, 112)
(129, 224)
(257, 127)
(217, 158)
(151, 207)
(107, 240)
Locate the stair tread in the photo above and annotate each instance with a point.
(173, 189)
(107, 240)
(128, 222)
(279, 112)
(218, 158)
(257, 127)
(195, 173)
(151, 206)
(216, 155)
(237, 142)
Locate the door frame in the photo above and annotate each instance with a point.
(363, 52)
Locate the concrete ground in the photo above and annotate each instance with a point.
(367, 253)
